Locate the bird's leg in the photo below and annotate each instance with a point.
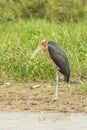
(56, 88)
(56, 91)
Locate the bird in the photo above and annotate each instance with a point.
(57, 57)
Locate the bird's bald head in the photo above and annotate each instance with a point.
(43, 44)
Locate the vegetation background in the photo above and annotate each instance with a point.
(24, 23)
(52, 10)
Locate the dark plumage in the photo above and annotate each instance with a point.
(60, 59)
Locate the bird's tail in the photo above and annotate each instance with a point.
(66, 78)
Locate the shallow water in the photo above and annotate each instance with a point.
(42, 121)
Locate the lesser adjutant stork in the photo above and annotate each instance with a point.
(58, 59)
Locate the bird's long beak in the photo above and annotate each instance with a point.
(35, 52)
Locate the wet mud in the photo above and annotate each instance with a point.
(37, 96)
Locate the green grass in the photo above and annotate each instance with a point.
(82, 87)
(19, 40)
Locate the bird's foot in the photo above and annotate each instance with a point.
(54, 99)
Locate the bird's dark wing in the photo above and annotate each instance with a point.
(59, 57)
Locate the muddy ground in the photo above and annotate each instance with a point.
(38, 95)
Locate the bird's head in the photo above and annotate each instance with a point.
(42, 46)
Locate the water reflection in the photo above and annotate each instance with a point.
(42, 121)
